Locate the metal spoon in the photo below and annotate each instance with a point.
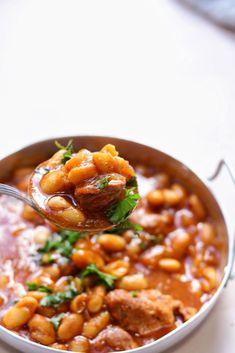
(13, 192)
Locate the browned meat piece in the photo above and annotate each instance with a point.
(115, 338)
(99, 193)
(146, 313)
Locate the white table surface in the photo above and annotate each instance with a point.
(151, 71)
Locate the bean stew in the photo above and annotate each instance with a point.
(112, 290)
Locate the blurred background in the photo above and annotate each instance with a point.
(159, 72)
(153, 71)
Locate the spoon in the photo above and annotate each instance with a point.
(13, 192)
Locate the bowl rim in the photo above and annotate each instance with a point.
(205, 307)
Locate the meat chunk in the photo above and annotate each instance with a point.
(146, 313)
(115, 338)
(99, 193)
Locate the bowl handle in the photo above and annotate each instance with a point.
(223, 163)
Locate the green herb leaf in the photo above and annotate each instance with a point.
(68, 147)
(69, 150)
(47, 259)
(66, 157)
(134, 293)
(136, 227)
(33, 286)
(42, 171)
(66, 249)
(132, 182)
(127, 224)
(62, 242)
(71, 236)
(118, 212)
(59, 298)
(106, 279)
(51, 244)
(102, 182)
(55, 320)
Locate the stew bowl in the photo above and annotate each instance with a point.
(137, 154)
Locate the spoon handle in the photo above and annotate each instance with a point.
(13, 192)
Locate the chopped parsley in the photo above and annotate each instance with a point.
(62, 242)
(132, 182)
(33, 286)
(47, 259)
(106, 279)
(53, 243)
(102, 182)
(71, 235)
(67, 156)
(127, 224)
(119, 212)
(66, 249)
(134, 293)
(42, 170)
(59, 298)
(69, 150)
(55, 320)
